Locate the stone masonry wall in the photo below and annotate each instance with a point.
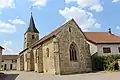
(48, 61)
(38, 59)
(83, 57)
(28, 39)
(0, 57)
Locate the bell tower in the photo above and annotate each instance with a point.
(32, 34)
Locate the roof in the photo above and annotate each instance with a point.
(1, 47)
(9, 57)
(32, 27)
(102, 37)
(51, 35)
(54, 33)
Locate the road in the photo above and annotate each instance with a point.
(20, 75)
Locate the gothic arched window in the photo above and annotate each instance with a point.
(47, 52)
(73, 52)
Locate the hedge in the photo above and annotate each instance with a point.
(109, 62)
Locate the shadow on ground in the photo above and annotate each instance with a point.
(9, 77)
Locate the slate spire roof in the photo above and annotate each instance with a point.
(32, 27)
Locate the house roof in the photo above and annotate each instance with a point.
(32, 27)
(9, 57)
(1, 47)
(102, 37)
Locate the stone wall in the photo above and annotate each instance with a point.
(56, 56)
(28, 39)
(38, 59)
(10, 64)
(48, 57)
(29, 60)
(0, 57)
(69, 34)
(20, 63)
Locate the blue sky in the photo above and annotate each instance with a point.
(91, 15)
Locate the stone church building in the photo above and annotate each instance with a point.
(63, 51)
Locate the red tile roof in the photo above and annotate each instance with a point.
(102, 37)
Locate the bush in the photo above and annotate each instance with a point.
(109, 62)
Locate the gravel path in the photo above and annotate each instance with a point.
(19, 75)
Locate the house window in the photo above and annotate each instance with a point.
(107, 50)
(69, 29)
(47, 52)
(119, 49)
(2, 66)
(11, 66)
(73, 52)
(33, 36)
(14, 61)
(2, 60)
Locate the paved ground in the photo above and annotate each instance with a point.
(14, 75)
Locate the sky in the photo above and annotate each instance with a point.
(90, 15)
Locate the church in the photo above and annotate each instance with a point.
(63, 51)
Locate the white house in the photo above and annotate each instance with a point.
(103, 43)
(9, 62)
(1, 48)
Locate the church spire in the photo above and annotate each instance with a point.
(32, 27)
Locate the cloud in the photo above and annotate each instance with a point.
(84, 19)
(118, 27)
(9, 26)
(6, 45)
(16, 21)
(40, 3)
(8, 50)
(6, 27)
(115, 1)
(7, 4)
(91, 4)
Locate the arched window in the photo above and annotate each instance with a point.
(73, 52)
(69, 29)
(47, 52)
